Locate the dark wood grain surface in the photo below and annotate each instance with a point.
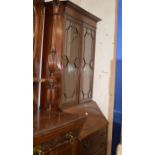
(93, 134)
(68, 121)
(47, 124)
(95, 119)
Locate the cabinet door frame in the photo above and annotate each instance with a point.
(91, 28)
(75, 23)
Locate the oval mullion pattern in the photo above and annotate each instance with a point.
(87, 64)
(71, 61)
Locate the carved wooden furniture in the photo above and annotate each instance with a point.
(63, 63)
(56, 133)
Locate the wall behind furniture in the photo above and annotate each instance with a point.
(104, 9)
(76, 1)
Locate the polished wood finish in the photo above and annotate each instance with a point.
(50, 130)
(52, 54)
(93, 135)
(95, 119)
(68, 121)
(38, 24)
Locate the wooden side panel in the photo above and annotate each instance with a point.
(94, 144)
(38, 16)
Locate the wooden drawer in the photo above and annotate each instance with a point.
(65, 148)
(56, 133)
(62, 140)
(94, 144)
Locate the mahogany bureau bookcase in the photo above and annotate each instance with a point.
(66, 121)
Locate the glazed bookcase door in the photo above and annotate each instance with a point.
(71, 62)
(38, 13)
(87, 64)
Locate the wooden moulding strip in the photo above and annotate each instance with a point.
(112, 86)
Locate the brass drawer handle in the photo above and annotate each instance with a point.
(37, 151)
(70, 137)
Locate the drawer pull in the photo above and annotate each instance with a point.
(70, 137)
(37, 151)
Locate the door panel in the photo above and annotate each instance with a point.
(87, 66)
(71, 62)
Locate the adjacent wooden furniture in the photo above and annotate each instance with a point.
(66, 119)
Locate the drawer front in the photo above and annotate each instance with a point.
(94, 144)
(55, 138)
(62, 144)
(67, 149)
(64, 149)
